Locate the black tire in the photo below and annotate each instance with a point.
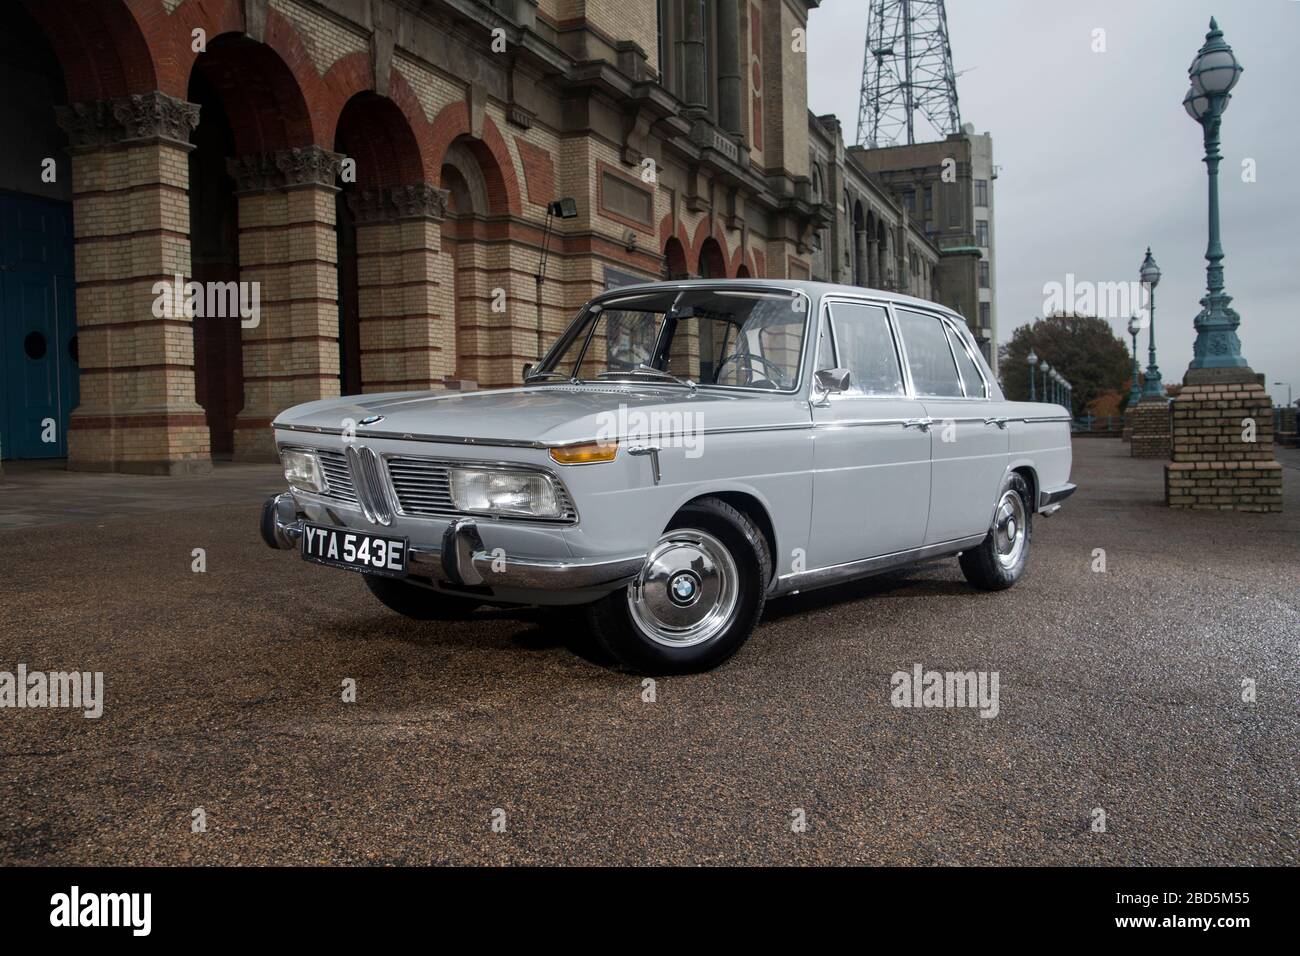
(419, 604)
(620, 635)
(986, 566)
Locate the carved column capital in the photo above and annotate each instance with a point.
(138, 118)
(285, 169)
(393, 203)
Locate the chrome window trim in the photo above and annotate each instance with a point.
(928, 313)
(954, 332)
(828, 300)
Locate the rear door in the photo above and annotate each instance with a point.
(968, 444)
(871, 454)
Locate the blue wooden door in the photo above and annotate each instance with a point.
(37, 327)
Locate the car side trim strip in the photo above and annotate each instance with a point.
(836, 574)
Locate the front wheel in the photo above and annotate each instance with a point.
(697, 599)
(1000, 560)
(417, 603)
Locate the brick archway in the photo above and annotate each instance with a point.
(279, 187)
(712, 260)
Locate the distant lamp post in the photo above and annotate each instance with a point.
(1032, 359)
(1214, 73)
(1135, 390)
(1047, 371)
(1150, 275)
(1288, 392)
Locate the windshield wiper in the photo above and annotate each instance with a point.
(643, 369)
(543, 375)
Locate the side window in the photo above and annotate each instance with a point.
(865, 347)
(928, 357)
(970, 373)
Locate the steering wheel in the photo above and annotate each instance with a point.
(775, 374)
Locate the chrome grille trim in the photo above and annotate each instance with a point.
(368, 479)
(422, 487)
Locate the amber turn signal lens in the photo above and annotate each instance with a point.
(585, 454)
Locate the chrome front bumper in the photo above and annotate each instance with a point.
(463, 562)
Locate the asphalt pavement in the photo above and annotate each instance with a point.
(1121, 733)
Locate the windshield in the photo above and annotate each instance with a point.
(724, 337)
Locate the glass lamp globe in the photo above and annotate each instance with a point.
(1150, 272)
(1134, 326)
(1215, 70)
(1196, 104)
(1032, 357)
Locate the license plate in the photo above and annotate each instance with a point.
(354, 550)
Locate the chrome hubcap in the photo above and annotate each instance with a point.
(687, 590)
(1009, 526)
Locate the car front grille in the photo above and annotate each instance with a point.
(337, 476)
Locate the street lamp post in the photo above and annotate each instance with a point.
(1150, 274)
(1135, 390)
(1215, 462)
(1032, 359)
(1214, 73)
(1047, 371)
(1288, 392)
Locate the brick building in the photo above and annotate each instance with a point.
(382, 170)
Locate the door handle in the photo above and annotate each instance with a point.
(1000, 422)
(653, 452)
(921, 423)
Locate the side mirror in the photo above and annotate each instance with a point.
(832, 380)
(528, 367)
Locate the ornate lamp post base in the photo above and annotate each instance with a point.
(1223, 444)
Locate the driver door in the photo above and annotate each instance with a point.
(871, 458)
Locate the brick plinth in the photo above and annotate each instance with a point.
(1215, 465)
(130, 175)
(1149, 429)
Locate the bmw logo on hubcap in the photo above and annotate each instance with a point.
(684, 588)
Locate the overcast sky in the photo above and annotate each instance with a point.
(1098, 160)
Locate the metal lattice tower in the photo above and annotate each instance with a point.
(906, 70)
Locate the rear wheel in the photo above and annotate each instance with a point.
(420, 604)
(697, 599)
(1000, 559)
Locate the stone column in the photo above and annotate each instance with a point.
(131, 221)
(405, 289)
(288, 246)
(862, 270)
(694, 79)
(730, 107)
(1223, 444)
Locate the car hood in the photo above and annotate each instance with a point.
(547, 414)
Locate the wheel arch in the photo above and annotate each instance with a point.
(1027, 471)
(753, 508)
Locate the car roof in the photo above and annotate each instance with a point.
(814, 290)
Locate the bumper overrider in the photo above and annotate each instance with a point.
(462, 561)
